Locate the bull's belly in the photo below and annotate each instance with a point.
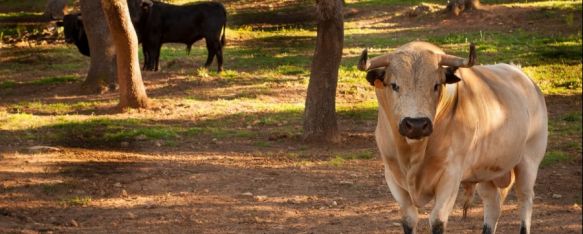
(490, 168)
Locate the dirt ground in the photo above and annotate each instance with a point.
(227, 189)
(207, 186)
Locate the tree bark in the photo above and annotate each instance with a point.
(320, 110)
(131, 88)
(55, 9)
(102, 70)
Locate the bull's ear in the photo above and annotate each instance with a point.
(60, 24)
(450, 76)
(375, 74)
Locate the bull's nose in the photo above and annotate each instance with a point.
(415, 128)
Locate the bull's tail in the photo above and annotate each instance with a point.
(223, 41)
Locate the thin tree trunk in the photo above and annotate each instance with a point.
(320, 111)
(102, 69)
(131, 88)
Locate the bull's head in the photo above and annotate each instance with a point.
(139, 9)
(409, 82)
(72, 26)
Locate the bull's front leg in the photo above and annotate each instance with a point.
(409, 213)
(445, 195)
(146, 57)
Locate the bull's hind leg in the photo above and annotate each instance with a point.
(220, 59)
(525, 178)
(492, 200)
(525, 174)
(157, 57)
(409, 212)
(211, 47)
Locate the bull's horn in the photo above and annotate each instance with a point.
(365, 64)
(454, 61)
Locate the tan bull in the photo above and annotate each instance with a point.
(440, 127)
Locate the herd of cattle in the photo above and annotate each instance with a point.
(443, 123)
(157, 23)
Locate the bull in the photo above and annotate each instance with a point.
(75, 32)
(157, 23)
(444, 122)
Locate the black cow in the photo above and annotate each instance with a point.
(75, 33)
(157, 23)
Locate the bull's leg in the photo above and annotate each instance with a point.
(445, 196)
(492, 203)
(211, 47)
(149, 57)
(157, 56)
(219, 59)
(409, 212)
(525, 178)
(146, 57)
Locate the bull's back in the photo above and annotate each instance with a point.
(189, 23)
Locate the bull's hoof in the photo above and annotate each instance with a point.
(438, 227)
(113, 87)
(487, 229)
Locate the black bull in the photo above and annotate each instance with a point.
(157, 23)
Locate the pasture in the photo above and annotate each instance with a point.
(222, 152)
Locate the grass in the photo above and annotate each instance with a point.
(261, 93)
(76, 201)
(55, 80)
(341, 158)
(554, 157)
(7, 84)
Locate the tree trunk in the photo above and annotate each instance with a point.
(320, 111)
(102, 68)
(131, 88)
(55, 9)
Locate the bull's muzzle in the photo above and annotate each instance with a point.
(415, 128)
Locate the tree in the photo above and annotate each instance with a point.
(320, 111)
(102, 69)
(55, 9)
(131, 88)
(456, 7)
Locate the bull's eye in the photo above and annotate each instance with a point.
(436, 87)
(395, 87)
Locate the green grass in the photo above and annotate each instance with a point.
(103, 132)
(7, 84)
(572, 117)
(341, 158)
(19, 14)
(77, 201)
(55, 80)
(554, 157)
(219, 133)
(261, 93)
